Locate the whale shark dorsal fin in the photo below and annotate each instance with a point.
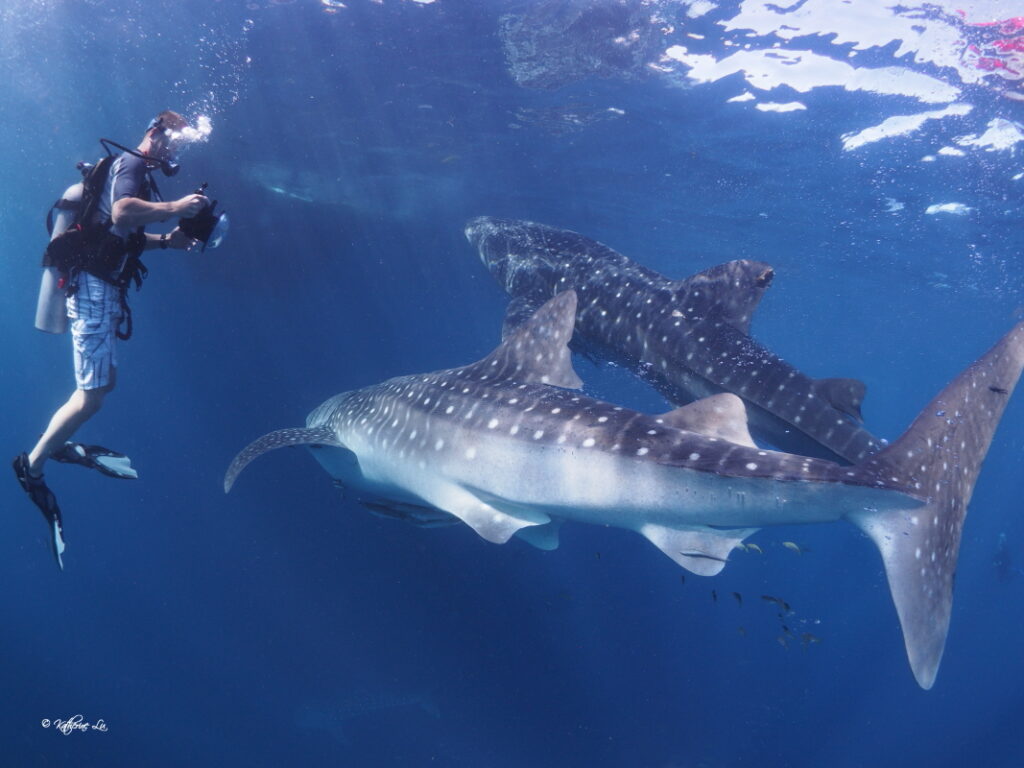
(845, 395)
(536, 352)
(723, 416)
(732, 291)
(700, 550)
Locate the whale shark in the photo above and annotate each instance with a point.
(688, 338)
(510, 446)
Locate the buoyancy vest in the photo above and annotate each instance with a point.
(88, 245)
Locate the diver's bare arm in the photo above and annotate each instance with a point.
(132, 212)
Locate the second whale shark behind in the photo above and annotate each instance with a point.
(689, 338)
(506, 446)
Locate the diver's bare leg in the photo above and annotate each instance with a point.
(80, 407)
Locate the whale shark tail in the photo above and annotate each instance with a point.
(322, 435)
(937, 461)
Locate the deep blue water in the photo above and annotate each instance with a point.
(350, 148)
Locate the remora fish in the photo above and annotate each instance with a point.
(507, 446)
(688, 338)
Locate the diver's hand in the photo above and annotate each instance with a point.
(190, 205)
(179, 240)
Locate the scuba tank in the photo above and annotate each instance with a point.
(68, 237)
(51, 314)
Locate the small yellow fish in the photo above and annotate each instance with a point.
(755, 548)
(793, 546)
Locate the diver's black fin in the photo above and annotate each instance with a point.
(110, 463)
(42, 497)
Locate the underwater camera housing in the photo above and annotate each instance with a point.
(207, 226)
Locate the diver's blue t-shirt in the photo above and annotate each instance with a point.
(128, 177)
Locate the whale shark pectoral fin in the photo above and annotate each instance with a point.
(733, 290)
(845, 395)
(700, 550)
(520, 309)
(543, 537)
(723, 416)
(489, 522)
(322, 435)
(537, 352)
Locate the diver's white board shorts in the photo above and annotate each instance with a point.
(94, 310)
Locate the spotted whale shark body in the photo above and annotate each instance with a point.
(689, 338)
(509, 446)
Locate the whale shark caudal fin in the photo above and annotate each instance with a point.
(937, 460)
(537, 352)
(322, 435)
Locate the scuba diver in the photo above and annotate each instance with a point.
(91, 260)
